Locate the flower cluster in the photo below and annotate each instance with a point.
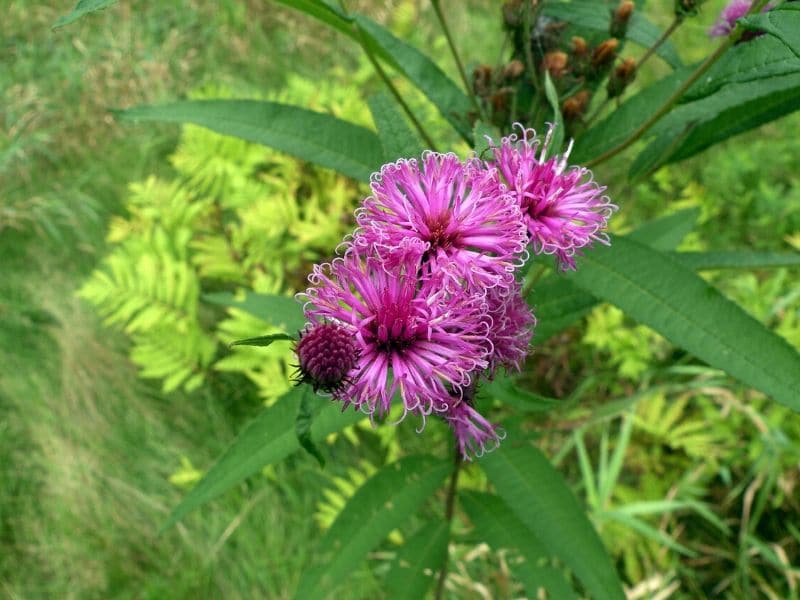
(424, 299)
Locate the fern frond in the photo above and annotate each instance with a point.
(141, 285)
(180, 358)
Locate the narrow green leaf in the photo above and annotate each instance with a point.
(503, 389)
(558, 303)
(424, 73)
(264, 340)
(783, 22)
(661, 293)
(326, 12)
(83, 7)
(736, 108)
(736, 259)
(267, 439)
(540, 498)
(622, 122)
(558, 119)
(495, 523)
(316, 137)
(414, 569)
(306, 411)
(382, 504)
(281, 311)
(396, 137)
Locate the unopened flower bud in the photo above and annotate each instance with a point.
(575, 106)
(326, 353)
(482, 80)
(513, 70)
(500, 100)
(620, 18)
(621, 77)
(604, 54)
(687, 8)
(556, 63)
(579, 46)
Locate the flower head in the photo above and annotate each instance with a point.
(450, 213)
(413, 336)
(511, 329)
(564, 208)
(326, 355)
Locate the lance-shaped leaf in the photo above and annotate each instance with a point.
(782, 22)
(264, 340)
(501, 528)
(397, 139)
(661, 293)
(423, 73)
(316, 137)
(736, 259)
(536, 493)
(558, 303)
(558, 120)
(382, 504)
(281, 311)
(327, 12)
(734, 109)
(83, 7)
(502, 388)
(267, 439)
(419, 559)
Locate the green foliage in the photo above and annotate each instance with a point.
(532, 488)
(237, 216)
(82, 8)
(379, 506)
(672, 300)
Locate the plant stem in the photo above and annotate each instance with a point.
(449, 507)
(670, 102)
(467, 86)
(664, 37)
(528, 287)
(395, 92)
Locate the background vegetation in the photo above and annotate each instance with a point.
(692, 484)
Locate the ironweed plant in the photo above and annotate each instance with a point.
(447, 272)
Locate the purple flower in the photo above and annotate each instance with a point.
(413, 335)
(451, 214)
(473, 433)
(564, 209)
(512, 324)
(735, 10)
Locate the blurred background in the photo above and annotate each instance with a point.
(693, 483)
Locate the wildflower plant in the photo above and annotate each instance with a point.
(452, 264)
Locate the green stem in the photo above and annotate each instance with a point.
(528, 287)
(670, 102)
(395, 92)
(467, 86)
(449, 509)
(664, 37)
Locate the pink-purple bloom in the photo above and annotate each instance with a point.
(735, 10)
(454, 214)
(563, 207)
(512, 324)
(473, 433)
(414, 337)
